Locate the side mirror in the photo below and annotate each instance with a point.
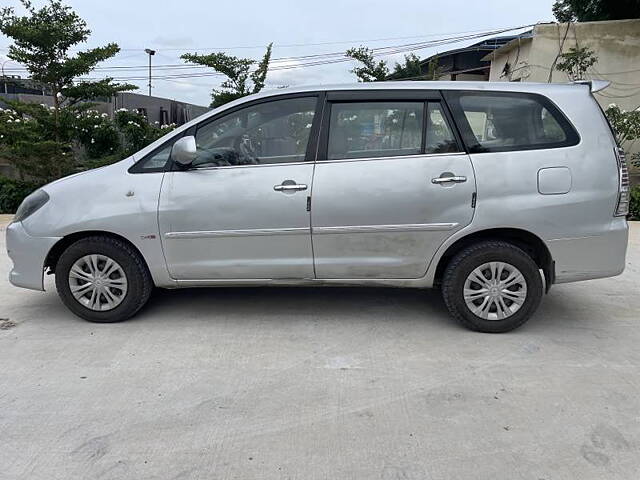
(184, 151)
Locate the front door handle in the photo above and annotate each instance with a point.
(289, 186)
(450, 179)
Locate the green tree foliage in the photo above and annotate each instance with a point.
(40, 140)
(27, 142)
(135, 132)
(576, 62)
(626, 125)
(241, 81)
(88, 139)
(369, 70)
(595, 10)
(634, 203)
(42, 40)
(410, 69)
(12, 192)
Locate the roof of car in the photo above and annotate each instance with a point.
(420, 85)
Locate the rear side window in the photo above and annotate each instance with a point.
(375, 129)
(502, 122)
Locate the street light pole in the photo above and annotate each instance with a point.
(150, 53)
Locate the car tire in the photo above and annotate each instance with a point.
(482, 289)
(112, 268)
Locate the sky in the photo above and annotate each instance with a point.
(297, 28)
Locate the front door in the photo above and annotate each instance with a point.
(391, 184)
(240, 212)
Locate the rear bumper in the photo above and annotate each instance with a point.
(28, 255)
(596, 256)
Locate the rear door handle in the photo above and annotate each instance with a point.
(290, 187)
(452, 179)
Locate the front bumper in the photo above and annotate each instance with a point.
(28, 255)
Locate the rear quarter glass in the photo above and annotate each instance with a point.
(509, 121)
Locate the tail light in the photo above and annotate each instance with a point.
(622, 209)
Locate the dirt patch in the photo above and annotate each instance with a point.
(6, 324)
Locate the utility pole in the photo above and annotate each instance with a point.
(151, 53)
(4, 79)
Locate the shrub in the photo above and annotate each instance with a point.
(12, 192)
(84, 138)
(136, 132)
(634, 204)
(97, 134)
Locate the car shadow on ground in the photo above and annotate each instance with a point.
(272, 302)
(247, 304)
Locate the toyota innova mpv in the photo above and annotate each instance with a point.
(492, 192)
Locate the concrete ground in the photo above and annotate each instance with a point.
(334, 383)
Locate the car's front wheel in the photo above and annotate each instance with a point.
(103, 279)
(492, 286)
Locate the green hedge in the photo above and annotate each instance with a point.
(634, 204)
(12, 192)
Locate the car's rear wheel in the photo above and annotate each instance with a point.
(492, 286)
(103, 279)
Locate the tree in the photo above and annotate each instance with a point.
(240, 80)
(370, 70)
(595, 10)
(42, 41)
(42, 138)
(410, 69)
(576, 62)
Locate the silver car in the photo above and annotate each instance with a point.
(490, 191)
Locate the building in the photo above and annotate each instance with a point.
(532, 58)
(155, 109)
(464, 63)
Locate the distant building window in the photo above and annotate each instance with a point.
(164, 116)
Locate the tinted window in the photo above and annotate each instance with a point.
(375, 129)
(505, 122)
(271, 132)
(440, 138)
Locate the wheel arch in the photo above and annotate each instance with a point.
(61, 245)
(527, 241)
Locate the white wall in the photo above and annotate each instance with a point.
(616, 44)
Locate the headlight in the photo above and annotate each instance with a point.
(31, 204)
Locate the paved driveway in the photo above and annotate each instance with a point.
(334, 383)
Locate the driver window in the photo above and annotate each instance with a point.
(271, 132)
